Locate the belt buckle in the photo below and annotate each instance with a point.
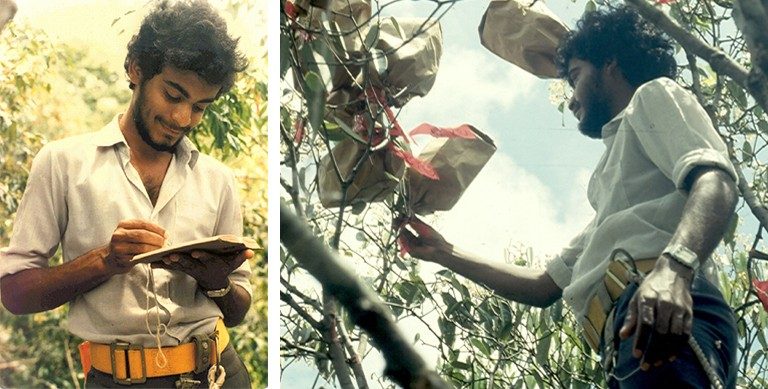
(203, 346)
(126, 347)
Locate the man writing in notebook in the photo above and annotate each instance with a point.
(135, 186)
(663, 193)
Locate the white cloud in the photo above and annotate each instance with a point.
(507, 207)
(470, 86)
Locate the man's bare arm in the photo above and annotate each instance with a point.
(524, 285)
(37, 290)
(662, 308)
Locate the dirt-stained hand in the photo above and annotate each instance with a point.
(429, 245)
(660, 314)
(132, 237)
(210, 270)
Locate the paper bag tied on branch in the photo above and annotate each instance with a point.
(377, 176)
(404, 64)
(525, 36)
(457, 159)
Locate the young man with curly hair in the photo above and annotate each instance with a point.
(664, 192)
(138, 185)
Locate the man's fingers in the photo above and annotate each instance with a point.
(644, 328)
(139, 224)
(421, 228)
(677, 323)
(138, 236)
(630, 321)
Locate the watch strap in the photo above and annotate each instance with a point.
(219, 292)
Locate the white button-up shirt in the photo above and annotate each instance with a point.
(637, 189)
(78, 190)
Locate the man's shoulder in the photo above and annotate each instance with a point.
(70, 148)
(661, 85)
(212, 168)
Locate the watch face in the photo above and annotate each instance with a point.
(683, 255)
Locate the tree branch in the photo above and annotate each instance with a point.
(754, 82)
(404, 365)
(751, 16)
(331, 336)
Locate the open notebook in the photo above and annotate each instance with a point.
(220, 244)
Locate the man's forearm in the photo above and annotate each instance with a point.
(37, 290)
(234, 305)
(707, 212)
(524, 285)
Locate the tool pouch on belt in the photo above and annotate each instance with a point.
(618, 275)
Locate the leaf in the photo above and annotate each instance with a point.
(380, 62)
(730, 234)
(591, 6)
(372, 37)
(746, 152)
(347, 130)
(738, 94)
(315, 96)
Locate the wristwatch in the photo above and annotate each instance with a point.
(219, 292)
(683, 255)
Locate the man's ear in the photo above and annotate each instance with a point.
(612, 70)
(134, 72)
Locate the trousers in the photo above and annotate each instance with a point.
(237, 376)
(714, 328)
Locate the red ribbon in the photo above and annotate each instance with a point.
(290, 10)
(421, 167)
(762, 292)
(463, 131)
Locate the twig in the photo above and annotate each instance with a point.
(404, 365)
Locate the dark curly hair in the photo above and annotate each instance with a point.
(641, 51)
(188, 35)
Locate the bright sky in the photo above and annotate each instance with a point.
(89, 23)
(533, 190)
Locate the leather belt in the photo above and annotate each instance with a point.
(118, 357)
(618, 275)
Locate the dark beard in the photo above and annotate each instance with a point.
(141, 128)
(596, 112)
(594, 119)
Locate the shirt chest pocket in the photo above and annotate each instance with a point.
(193, 219)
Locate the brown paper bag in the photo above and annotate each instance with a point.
(412, 68)
(457, 162)
(525, 36)
(378, 175)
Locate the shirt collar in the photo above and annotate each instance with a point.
(610, 128)
(111, 135)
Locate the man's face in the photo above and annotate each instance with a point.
(169, 105)
(589, 102)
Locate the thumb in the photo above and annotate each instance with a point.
(405, 240)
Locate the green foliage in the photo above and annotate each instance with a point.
(49, 92)
(481, 340)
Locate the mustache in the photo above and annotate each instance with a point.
(174, 127)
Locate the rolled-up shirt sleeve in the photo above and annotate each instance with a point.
(230, 221)
(675, 132)
(560, 268)
(40, 218)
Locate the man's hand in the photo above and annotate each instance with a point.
(429, 245)
(211, 271)
(660, 314)
(132, 237)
